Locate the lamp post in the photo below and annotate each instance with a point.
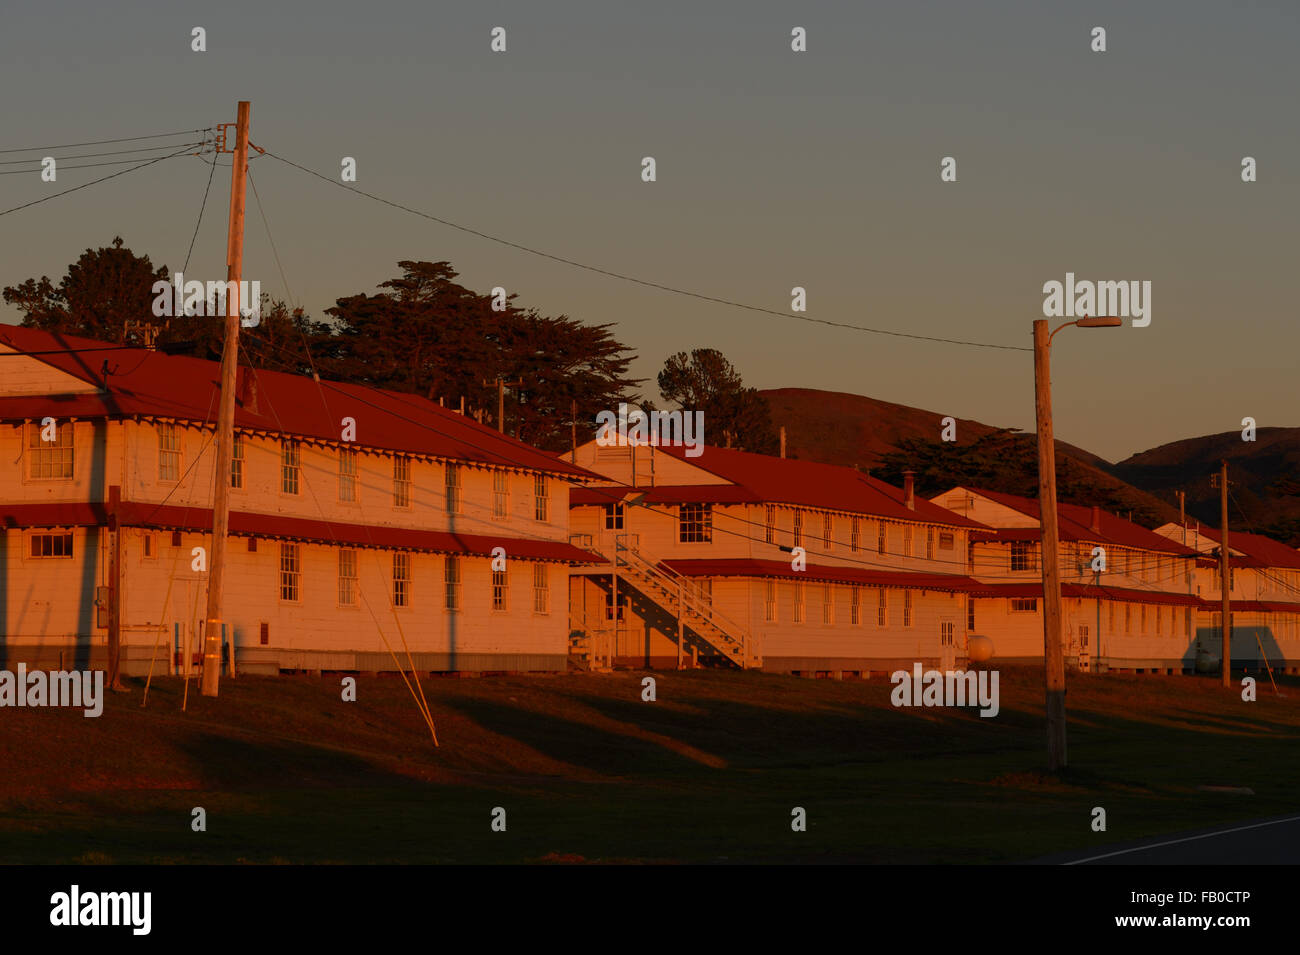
(1053, 651)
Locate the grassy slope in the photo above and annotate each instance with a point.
(586, 771)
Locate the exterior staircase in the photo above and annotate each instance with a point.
(679, 596)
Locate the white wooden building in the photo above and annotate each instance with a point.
(343, 546)
(1140, 614)
(1264, 590)
(700, 553)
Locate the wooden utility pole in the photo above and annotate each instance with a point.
(226, 412)
(1225, 575)
(114, 588)
(1182, 513)
(573, 424)
(1053, 652)
(501, 399)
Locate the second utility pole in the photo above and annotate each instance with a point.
(501, 400)
(226, 412)
(1225, 575)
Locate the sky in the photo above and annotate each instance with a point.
(775, 169)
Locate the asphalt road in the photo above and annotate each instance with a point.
(1273, 841)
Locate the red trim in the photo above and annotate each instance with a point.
(248, 524)
(753, 567)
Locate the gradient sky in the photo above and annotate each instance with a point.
(775, 169)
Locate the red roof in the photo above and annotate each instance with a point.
(830, 486)
(665, 494)
(1091, 592)
(752, 567)
(150, 383)
(248, 524)
(53, 515)
(1264, 551)
(1074, 523)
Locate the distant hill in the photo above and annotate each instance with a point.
(1264, 477)
(839, 428)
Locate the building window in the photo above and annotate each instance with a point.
(622, 607)
(541, 588)
(1187, 620)
(929, 543)
(149, 545)
(946, 541)
(828, 604)
(855, 604)
(500, 495)
(907, 608)
(1024, 605)
(613, 517)
(1128, 618)
(796, 532)
(798, 601)
(1142, 619)
(348, 475)
(907, 540)
(451, 582)
(855, 534)
(51, 545)
(1110, 615)
(541, 498)
(828, 531)
(169, 451)
(970, 614)
(290, 572)
(1160, 612)
(451, 489)
(769, 525)
(49, 460)
(695, 523)
(769, 601)
(1023, 556)
(401, 579)
(290, 467)
(347, 578)
(500, 588)
(881, 542)
(882, 607)
(237, 462)
(402, 481)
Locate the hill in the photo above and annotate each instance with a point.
(846, 429)
(1264, 477)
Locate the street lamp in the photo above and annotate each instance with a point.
(1053, 651)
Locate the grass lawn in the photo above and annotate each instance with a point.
(586, 771)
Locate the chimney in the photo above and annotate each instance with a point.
(1096, 518)
(909, 490)
(782, 441)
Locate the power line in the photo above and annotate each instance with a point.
(103, 142)
(211, 172)
(87, 165)
(85, 185)
(115, 152)
(643, 282)
(278, 264)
